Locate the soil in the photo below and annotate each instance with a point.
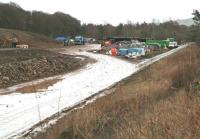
(22, 65)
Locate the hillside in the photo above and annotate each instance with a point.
(34, 40)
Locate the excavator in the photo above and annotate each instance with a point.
(8, 40)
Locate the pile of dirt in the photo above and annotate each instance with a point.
(21, 65)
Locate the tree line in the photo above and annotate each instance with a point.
(12, 16)
(144, 30)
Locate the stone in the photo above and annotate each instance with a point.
(5, 78)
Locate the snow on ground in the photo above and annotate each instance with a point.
(19, 112)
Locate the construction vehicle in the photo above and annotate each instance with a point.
(10, 40)
(160, 43)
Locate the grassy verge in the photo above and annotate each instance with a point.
(162, 101)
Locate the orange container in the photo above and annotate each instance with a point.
(113, 51)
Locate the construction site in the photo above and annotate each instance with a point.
(71, 80)
(21, 61)
(34, 76)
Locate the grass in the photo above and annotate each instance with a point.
(38, 86)
(161, 101)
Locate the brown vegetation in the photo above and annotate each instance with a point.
(35, 87)
(33, 40)
(162, 101)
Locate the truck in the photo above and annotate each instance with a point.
(79, 40)
(162, 43)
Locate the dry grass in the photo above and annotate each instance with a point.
(161, 101)
(35, 87)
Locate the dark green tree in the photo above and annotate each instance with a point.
(196, 28)
(196, 17)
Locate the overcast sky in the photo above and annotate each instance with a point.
(115, 11)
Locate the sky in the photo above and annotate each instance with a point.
(115, 11)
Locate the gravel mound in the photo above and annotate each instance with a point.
(17, 66)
